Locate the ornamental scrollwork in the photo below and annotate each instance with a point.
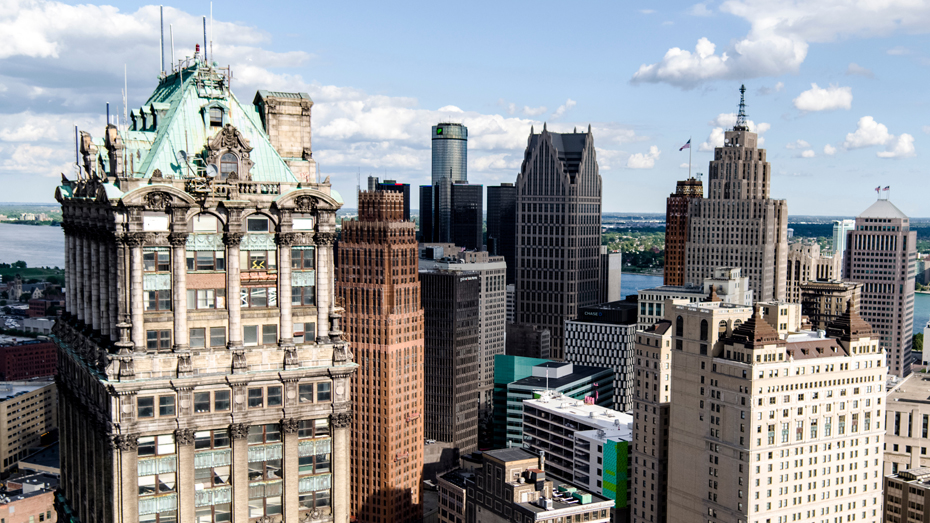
(232, 238)
(177, 239)
(340, 420)
(290, 425)
(239, 430)
(184, 436)
(126, 442)
(305, 204)
(157, 201)
(325, 238)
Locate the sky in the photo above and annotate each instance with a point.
(835, 88)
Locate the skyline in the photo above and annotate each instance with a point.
(646, 80)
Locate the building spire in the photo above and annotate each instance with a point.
(741, 124)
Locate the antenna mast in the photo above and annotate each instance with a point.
(741, 117)
(211, 28)
(205, 40)
(161, 13)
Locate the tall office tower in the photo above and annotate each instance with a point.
(806, 263)
(492, 331)
(502, 224)
(450, 165)
(558, 231)
(611, 272)
(373, 183)
(467, 215)
(676, 228)
(824, 301)
(737, 224)
(841, 229)
(603, 336)
(880, 254)
(907, 424)
(202, 371)
(377, 280)
(450, 310)
(395, 186)
(758, 412)
(649, 480)
(427, 217)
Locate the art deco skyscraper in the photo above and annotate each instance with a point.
(880, 253)
(502, 224)
(377, 280)
(676, 228)
(737, 224)
(558, 231)
(202, 371)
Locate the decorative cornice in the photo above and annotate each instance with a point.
(177, 239)
(184, 436)
(232, 238)
(134, 239)
(325, 238)
(126, 442)
(285, 238)
(239, 430)
(340, 420)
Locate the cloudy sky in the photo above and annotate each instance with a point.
(836, 88)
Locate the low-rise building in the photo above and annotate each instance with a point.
(907, 496)
(907, 424)
(728, 284)
(20, 506)
(27, 359)
(27, 411)
(38, 325)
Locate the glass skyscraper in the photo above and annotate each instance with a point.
(450, 165)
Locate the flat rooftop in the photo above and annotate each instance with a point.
(11, 389)
(578, 410)
(913, 389)
(580, 372)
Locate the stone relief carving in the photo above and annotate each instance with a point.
(177, 239)
(126, 442)
(184, 363)
(229, 139)
(239, 430)
(232, 238)
(305, 204)
(340, 420)
(290, 357)
(184, 436)
(290, 425)
(238, 361)
(157, 201)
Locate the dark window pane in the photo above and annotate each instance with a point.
(220, 400)
(274, 396)
(305, 391)
(217, 336)
(323, 392)
(145, 406)
(201, 402)
(255, 398)
(198, 338)
(166, 405)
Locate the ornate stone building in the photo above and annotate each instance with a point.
(203, 375)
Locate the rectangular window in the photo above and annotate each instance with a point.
(220, 400)
(250, 334)
(201, 402)
(274, 397)
(206, 260)
(305, 392)
(158, 340)
(157, 300)
(257, 224)
(145, 407)
(258, 260)
(259, 434)
(303, 296)
(259, 297)
(256, 398)
(216, 118)
(156, 261)
(323, 392)
(205, 223)
(166, 406)
(313, 428)
(156, 445)
(302, 259)
(198, 338)
(206, 298)
(269, 334)
(211, 439)
(217, 336)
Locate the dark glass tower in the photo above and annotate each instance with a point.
(467, 215)
(559, 223)
(394, 186)
(450, 159)
(502, 225)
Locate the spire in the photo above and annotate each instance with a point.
(589, 128)
(575, 130)
(532, 129)
(544, 126)
(741, 124)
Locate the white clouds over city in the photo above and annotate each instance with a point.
(870, 133)
(824, 99)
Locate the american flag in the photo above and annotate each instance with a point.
(887, 188)
(686, 146)
(878, 189)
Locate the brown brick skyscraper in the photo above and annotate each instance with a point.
(377, 279)
(676, 228)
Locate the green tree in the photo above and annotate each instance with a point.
(918, 342)
(19, 264)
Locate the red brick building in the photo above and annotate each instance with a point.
(31, 507)
(378, 279)
(40, 307)
(28, 359)
(676, 228)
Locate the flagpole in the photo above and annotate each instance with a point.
(689, 157)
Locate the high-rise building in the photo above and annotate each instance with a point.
(427, 217)
(395, 186)
(492, 333)
(558, 231)
(676, 228)
(737, 224)
(611, 272)
(806, 263)
(502, 225)
(880, 254)
(528, 341)
(28, 411)
(450, 165)
(202, 370)
(907, 424)
(377, 280)
(758, 411)
(603, 336)
(451, 355)
(467, 215)
(841, 229)
(727, 283)
(824, 301)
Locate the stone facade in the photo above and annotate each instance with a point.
(806, 263)
(202, 370)
(676, 229)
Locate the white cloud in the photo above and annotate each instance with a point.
(820, 99)
(856, 69)
(829, 150)
(925, 129)
(903, 147)
(534, 111)
(644, 160)
(727, 121)
(700, 9)
(807, 154)
(798, 144)
(684, 166)
(780, 35)
(898, 51)
(563, 108)
(868, 133)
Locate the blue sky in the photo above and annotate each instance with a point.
(836, 88)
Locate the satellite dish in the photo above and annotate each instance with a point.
(211, 171)
(181, 157)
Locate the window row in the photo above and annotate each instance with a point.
(203, 337)
(158, 259)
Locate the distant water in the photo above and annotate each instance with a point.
(633, 283)
(37, 245)
(921, 311)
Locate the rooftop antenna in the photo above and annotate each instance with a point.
(741, 117)
(171, 32)
(77, 163)
(211, 28)
(205, 40)
(161, 13)
(108, 114)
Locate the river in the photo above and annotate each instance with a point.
(37, 245)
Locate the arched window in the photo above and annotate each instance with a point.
(229, 163)
(722, 328)
(704, 330)
(680, 326)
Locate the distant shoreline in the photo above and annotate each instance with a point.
(17, 222)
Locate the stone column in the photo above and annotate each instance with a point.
(324, 288)
(340, 423)
(233, 301)
(103, 278)
(127, 446)
(93, 276)
(136, 297)
(178, 242)
(239, 433)
(79, 273)
(291, 465)
(286, 332)
(185, 441)
(87, 289)
(69, 266)
(113, 249)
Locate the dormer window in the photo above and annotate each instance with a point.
(229, 163)
(216, 117)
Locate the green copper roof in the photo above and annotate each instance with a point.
(180, 108)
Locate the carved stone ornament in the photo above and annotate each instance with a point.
(126, 367)
(157, 201)
(266, 519)
(290, 357)
(230, 140)
(157, 176)
(135, 239)
(232, 238)
(177, 239)
(184, 436)
(325, 238)
(305, 204)
(340, 420)
(238, 360)
(126, 442)
(285, 238)
(239, 430)
(290, 425)
(312, 515)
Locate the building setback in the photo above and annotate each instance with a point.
(451, 347)
(676, 228)
(907, 425)
(737, 224)
(502, 225)
(880, 254)
(558, 231)
(202, 371)
(395, 186)
(377, 279)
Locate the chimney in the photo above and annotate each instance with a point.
(542, 460)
